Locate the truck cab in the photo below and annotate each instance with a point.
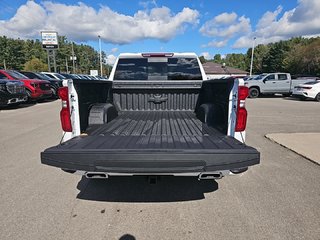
(269, 83)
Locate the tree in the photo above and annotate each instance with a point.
(274, 60)
(202, 59)
(35, 65)
(217, 58)
(236, 60)
(260, 52)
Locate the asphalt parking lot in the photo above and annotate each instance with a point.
(278, 199)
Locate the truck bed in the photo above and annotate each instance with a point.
(152, 142)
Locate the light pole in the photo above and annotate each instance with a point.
(252, 51)
(73, 59)
(100, 55)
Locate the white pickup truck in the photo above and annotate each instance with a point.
(271, 83)
(154, 116)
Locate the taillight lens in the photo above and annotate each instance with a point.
(243, 92)
(63, 93)
(242, 113)
(241, 119)
(65, 111)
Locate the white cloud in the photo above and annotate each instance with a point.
(268, 18)
(225, 18)
(110, 59)
(113, 50)
(226, 25)
(216, 44)
(146, 4)
(27, 21)
(83, 23)
(301, 21)
(206, 55)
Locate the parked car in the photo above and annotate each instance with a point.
(248, 78)
(12, 92)
(57, 76)
(70, 76)
(155, 116)
(308, 90)
(54, 83)
(271, 83)
(35, 89)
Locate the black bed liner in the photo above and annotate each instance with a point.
(152, 142)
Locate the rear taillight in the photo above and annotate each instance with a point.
(243, 93)
(241, 110)
(65, 111)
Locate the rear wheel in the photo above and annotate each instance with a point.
(54, 93)
(29, 99)
(254, 92)
(318, 97)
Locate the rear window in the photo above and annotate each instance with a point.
(282, 77)
(158, 68)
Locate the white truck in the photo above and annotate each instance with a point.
(154, 116)
(271, 83)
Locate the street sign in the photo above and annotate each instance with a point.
(94, 72)
(49, 40)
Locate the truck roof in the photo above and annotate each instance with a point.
(157, 54)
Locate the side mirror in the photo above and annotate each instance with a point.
(264, 80)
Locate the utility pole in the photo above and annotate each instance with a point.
(67, 67)
(49, 65)
(54, 60)
(4, 64)
(101, 74)
(252, 52)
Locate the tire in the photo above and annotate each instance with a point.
(317, 98)
(254, 92)
(29, 99)
(53, 91)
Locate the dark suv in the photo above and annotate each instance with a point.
(36, 89)
(12, 92)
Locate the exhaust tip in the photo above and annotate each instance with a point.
(96, 175)
(217, 175)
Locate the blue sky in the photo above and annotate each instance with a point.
(206, 27)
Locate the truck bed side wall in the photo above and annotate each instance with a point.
(89, 93)
(213, 103)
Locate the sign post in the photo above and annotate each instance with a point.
(50, 43)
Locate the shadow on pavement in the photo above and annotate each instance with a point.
(17, 106)
(138, 189)
(127, 237)
(26, 105)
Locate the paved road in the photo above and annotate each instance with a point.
(279, 199)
